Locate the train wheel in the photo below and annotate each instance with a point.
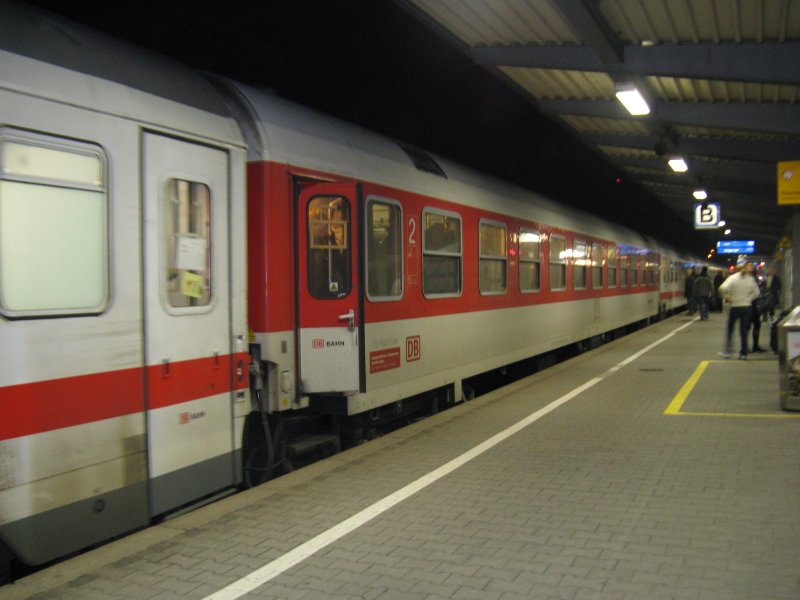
(256, 465)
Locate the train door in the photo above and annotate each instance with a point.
(187, 320)
(329, 308)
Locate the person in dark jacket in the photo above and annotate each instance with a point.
(701, 292)
(687, 290)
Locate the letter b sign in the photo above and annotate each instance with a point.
(706, 215)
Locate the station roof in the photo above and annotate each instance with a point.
(722, 78)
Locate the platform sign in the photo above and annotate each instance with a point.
(736, 247)
(706, 215)
(789, 182)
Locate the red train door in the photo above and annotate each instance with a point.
(328, 315)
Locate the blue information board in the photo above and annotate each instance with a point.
(736, 247)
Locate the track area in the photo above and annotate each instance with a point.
(621, 473)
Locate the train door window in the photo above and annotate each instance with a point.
(441, 253)
(611, 266)
(53, 226)
(529, 260)
(328, 248)
(580, 262)
(384, 250)
(493, 268)
(597, 266)
(187, 224)
(558, 262)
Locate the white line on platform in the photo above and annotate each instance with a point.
(260, 576)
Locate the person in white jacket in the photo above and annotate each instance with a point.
(740, 289)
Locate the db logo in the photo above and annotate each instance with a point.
(184, 418)
(413, 351)
(317, 343)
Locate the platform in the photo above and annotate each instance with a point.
(647, 468)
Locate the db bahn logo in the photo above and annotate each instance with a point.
(187, 417)
(317, 343)
(413, 351)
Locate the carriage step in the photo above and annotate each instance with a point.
(326, 442)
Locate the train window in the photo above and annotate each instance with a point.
(529, 260)
(558, 262)
(384, 250)
(597, 266)
(441, 253)
(53, 226)
(611, 266)
(328, 248)
(634, 270)
(187, 225)
(580, 262)
(625, 269)
(493, 269)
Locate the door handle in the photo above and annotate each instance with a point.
(351, 318)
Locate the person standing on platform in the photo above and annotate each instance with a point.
(739, 290)
(701, 292)
(774, 288)
(687, 290)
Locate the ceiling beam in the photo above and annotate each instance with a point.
(747, 62)
(728, 169)
(770, 151)
(780, 118)
(601, 41)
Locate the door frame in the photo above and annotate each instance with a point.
(298, 183)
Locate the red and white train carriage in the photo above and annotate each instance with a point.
(157, 225)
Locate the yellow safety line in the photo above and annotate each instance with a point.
(676, 404)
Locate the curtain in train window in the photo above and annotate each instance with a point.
(529, 260)
(384, 250)
(580, 264)
(53, 226)
(441, 253)
(558, 262)
(493, 269)
(187, 225)
(611, 266)
(329, 249)
(597, 266)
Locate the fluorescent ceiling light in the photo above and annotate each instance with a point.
(678, 164)
(700, 194)
(632, 99)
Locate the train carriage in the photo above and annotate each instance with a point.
(198, 279)
(123, 338)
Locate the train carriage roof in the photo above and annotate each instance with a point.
(35, 33)
(283, 132)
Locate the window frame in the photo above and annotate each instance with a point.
(561, 262)
(612, 266)
(54, 142)
(169, 307)
(386, 202)
(459, 255)
(597, 260)
(493, 258)
(581, 269)
(536, 261)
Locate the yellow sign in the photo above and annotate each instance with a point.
(192, 285)
(789, 182)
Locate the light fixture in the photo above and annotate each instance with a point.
(631, 98)
(721, 224)
(678, 164)
(700, 194)
(727, 232)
